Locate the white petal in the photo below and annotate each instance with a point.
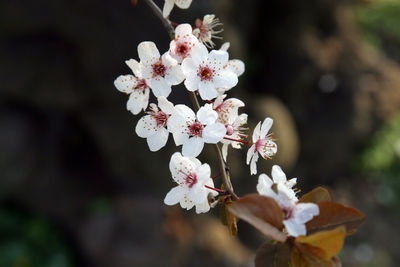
(253, 164)
(196, 162)
(202, 207)
(192, 147)
(264, 185)
(236, 66)
(192, 83)
(137, 101)
(207, 90)
(189, 67)
(256, 132)
(219, 56)
(225, 46)
(135, 67)
(225, 79)
(168, 6)
(125, 83)
(278, 175)
(184, 4)
(182, 30)
(160, 87)
(206, 114)
(197, 194)
(179, 137)
(203, 173)
(174, 75)
(148, 52)
(158, 140)
(213, 133)
(174, 195)
(146, 126)
(292, 182)
(198, 54)
(166, 106)
(304, 212)
(180, 166)
(266, 126)
(224, 151)
(294, 229)
(250, 153)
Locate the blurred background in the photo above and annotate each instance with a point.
(79, 188)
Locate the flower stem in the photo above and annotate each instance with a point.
(215, 189)
(237, 140)
(167, 25)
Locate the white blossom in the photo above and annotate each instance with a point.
(229, 116)
(169, 5)
(137, 89)
(263, 144)
(296, 215)
(193, 130)
(192, 178)
(207, 71)
(181, 47)
(205, 30)
(153, 126)
(235, 65)
(159, 72)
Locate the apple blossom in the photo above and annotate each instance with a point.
(193, 130)
(205, 31)
(206, 72)
(153, 126)
(159, 72)
(295, 214)
(263, 144)
(138, 92)
(181, 46)
(169, 5)
(192, 178)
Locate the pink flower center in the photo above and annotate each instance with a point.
(161, 118)
(141, 85)
(266, 147)
(205, 73)
(229, 129)
(204, 28)
(196, 129)
(191, 180)
(182, 50)
(287, 213)
(159, 69)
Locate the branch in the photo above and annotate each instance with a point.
(157, 11)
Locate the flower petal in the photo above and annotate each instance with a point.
(192, 83)
(135, 66)
(278, 175)
(250, 153)
(174, 195)
(148, 52)
(166, 106)
(294, 229)
(197, 194)
(206, 114)
(158, 140)
(184, 4)
(266, 126)
(146, 126)
(253, 164)
(202, 207)
(225, 79)
(174, 75)
(236, 66)
(213, 133)
(203, 173)
(264, 185)
(160, 87)
(192, 147)
(256, 132)
(125, 83)
(168, 6)
(304, 212)
(224, 151)
(137, 101)
(207, 90)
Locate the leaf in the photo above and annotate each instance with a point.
(262, 212)
(229, 219)
(324, 245)
(302, 259)
(317, 195)
(273, 255)
(332, 214)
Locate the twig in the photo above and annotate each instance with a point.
(167, 25)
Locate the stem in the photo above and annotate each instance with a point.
(167, 25)
(157, 11)
(216, 176)
(236, 140)
(216, 189)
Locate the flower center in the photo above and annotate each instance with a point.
(229, 129)
(161, 118)
(159, 69)
(196, 129)
(141, 85)
(287, 213)
(266, 147)
(191, 180)
(182, 50)
(205, 73)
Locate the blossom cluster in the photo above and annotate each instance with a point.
(209, 74)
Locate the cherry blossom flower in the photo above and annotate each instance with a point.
(159, 72)
(235, 65)
(138, 92)
(205, 30)
(295, 214)
(206, 72)
(228, 115)
(263, 144)
(169, 5)
(153, 126)
(192, 178)
(193, 130)
(181, 46)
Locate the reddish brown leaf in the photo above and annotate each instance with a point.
(273, 255)
(134, 2)
(317, 195)
(262, 212)
(324, 245)
(229, 219)
(332, 214)
(303, 259)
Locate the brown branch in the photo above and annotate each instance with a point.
(193, 98)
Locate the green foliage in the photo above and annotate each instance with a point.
(29, 241)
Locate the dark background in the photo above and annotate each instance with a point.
(79, 188)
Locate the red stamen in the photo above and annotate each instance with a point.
(216, 176)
